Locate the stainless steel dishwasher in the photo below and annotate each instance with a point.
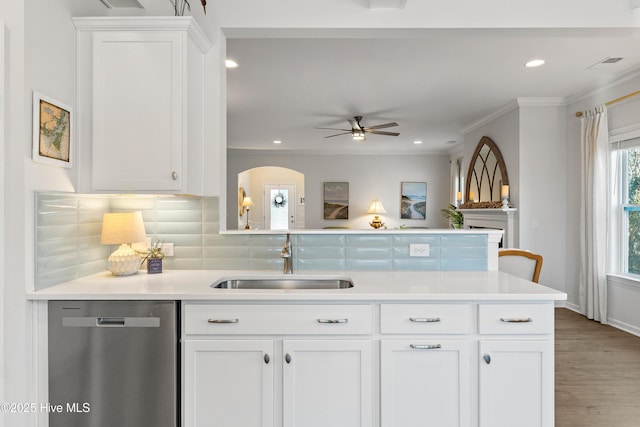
(113, 363)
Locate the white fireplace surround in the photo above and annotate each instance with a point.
(500, 219)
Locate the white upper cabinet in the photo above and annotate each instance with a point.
(141, 89)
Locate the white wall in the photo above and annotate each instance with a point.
(41, 56)
(368, 177)
(542, 178)
(531, 135)
(14, 342)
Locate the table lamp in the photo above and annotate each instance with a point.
(376, 208)
(123, 229)
(247, 203)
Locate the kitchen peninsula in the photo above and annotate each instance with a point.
(461, 348)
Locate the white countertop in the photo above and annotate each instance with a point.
(368, 286)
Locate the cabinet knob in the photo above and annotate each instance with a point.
(174, 175)
(287, 358)
(267, 359)
(487, 359)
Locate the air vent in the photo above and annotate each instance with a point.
(607, 63)
(112, 4)
(611, 60)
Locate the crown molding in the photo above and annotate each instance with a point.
(516, 103)
(146, 23)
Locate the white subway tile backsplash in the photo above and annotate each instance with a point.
(68, 228)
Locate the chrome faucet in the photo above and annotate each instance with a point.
(287, 256)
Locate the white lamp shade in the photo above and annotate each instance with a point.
(247, 202)
(122, 227)
(376, 207)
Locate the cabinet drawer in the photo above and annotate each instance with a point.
(425, 318)
(515, 318)
(219, 319)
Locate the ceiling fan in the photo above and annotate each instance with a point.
(358, 131)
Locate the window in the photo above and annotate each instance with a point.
(626, 206)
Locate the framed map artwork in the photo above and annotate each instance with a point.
(52, 131)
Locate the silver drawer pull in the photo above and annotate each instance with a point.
(516, 320)
(425, 319)
(425, 346)
(333, 320)
(223, 320)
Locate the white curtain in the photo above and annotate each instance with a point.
(593, 214)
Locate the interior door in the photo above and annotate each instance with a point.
(279, 206)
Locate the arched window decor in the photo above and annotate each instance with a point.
(487, 174)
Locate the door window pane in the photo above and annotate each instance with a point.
(279, 208)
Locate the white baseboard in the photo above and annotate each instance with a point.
(631, 329)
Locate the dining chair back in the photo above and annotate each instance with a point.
(521, 263)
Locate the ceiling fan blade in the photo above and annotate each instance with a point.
(338, 134)
(344, 130)
(386, 125)
(379, 132)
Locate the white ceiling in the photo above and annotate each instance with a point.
(433, 83)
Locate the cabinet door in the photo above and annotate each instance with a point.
(425, 382)
(228, 383)
(516, 384)
(327, 383)
(137, 111)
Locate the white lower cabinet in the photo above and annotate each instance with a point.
(327, 383)
(516, 384)
(318, 365)
(228, 383)
(516, 365)
(425, 382)
(307, 368)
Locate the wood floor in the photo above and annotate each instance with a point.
(597, 374)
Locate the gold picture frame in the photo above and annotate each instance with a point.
(52, 131)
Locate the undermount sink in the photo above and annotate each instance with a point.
(293, 283)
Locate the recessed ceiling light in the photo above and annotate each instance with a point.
(534, 63)
(417, 142)
(277, 141)
(230, 63)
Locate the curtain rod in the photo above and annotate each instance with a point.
(614, 101)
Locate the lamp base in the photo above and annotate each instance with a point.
(376, 223)
(124, 261)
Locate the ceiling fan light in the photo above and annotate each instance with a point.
(358, 135)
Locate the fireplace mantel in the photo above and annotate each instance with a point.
(501, 219)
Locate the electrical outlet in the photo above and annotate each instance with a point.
(167, 249)
(418, 249)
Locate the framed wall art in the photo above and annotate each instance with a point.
(336, 200)
(413, 200)
(52, 131)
